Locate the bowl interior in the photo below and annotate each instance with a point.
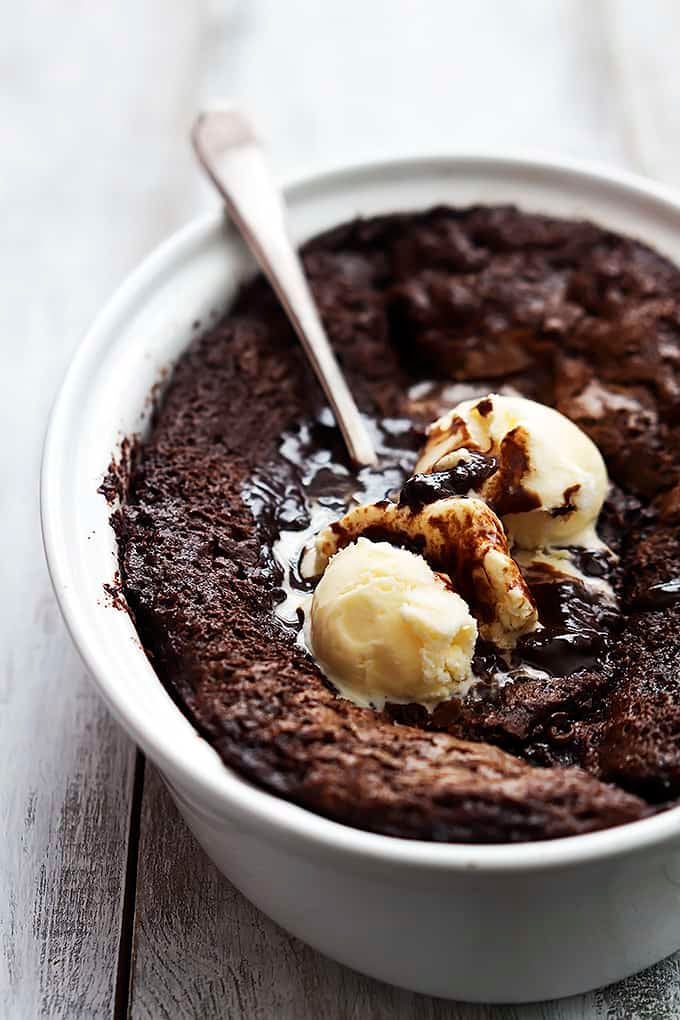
(181, 288)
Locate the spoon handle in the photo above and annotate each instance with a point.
(231, 155)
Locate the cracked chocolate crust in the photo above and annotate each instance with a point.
(565, 313)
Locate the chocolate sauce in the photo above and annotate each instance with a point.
(659, 596)
(484, 407)
(509, 494)
(567, 507)
(591, 562)
(561, 653)
(575, 625)
(421, 490)
(311, 484)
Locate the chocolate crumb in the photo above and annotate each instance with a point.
(115, 483)
(484, 407)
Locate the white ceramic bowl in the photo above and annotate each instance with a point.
(481, 923)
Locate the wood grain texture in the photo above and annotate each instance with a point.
(75, 218)
(202, 950)
(95, 105)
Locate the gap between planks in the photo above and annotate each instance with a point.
(121, 1002)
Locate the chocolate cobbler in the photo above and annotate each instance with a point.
(571, 725)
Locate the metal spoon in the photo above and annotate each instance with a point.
(228, 150)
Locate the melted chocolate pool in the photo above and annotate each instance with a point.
(311, 485)
(577, 624)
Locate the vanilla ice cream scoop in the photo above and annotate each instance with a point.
(549, 480)
(385, 627)
(461, 537)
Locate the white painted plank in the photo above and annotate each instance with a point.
(642, 49)
(93, 174)
(201, 949)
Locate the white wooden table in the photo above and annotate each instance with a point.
(107, 907)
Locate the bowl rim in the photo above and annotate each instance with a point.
(267, 813)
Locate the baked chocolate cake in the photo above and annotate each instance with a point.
(244, 463)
